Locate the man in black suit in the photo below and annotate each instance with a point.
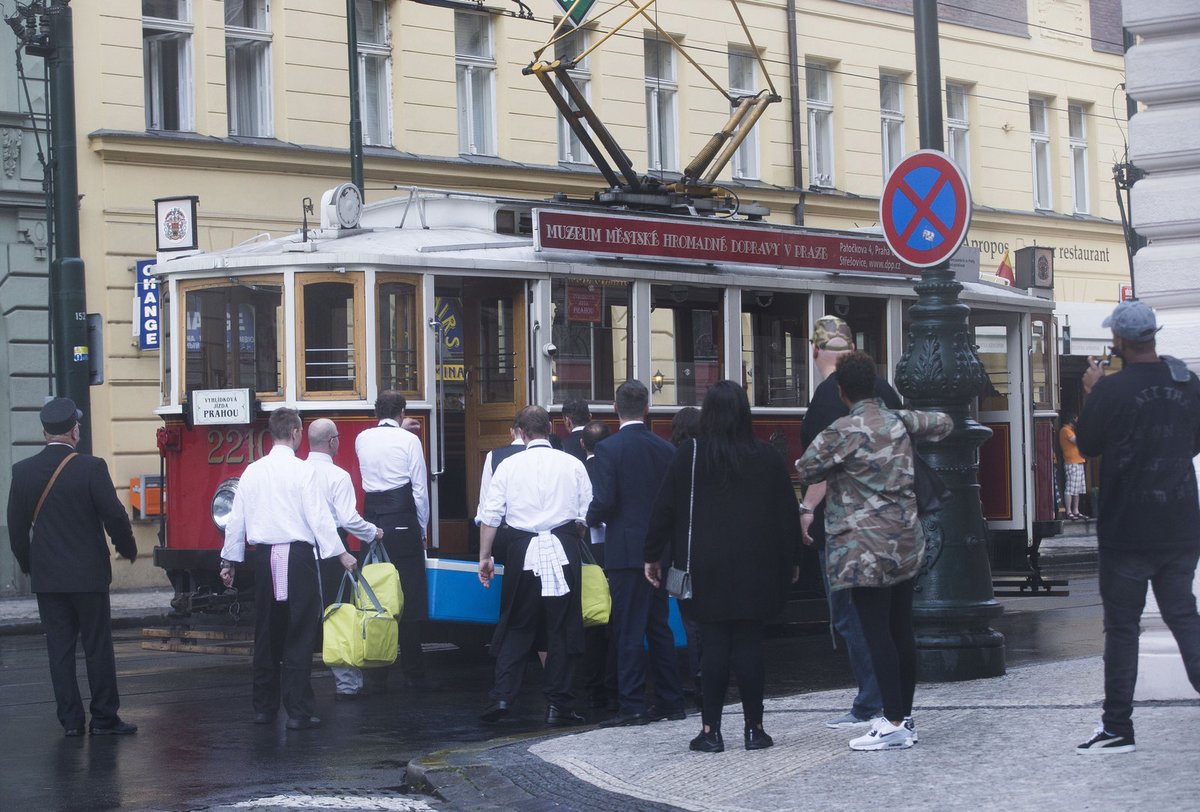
(576, 415)
(58, 503)
(629, 468)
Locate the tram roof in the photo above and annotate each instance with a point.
(448, 231)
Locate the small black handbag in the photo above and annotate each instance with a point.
(679, 581)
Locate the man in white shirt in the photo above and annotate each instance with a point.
(493, 460)
(335, 484)
(279, 509)
(543, 495)
(394, 478)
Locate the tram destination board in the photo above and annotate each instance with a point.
(925, 208)
(675, 240)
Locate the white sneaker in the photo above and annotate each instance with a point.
(883, 736)
(911, 727)
(848, 720)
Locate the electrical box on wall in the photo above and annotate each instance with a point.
(145, 496)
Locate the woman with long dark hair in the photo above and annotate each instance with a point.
(728, 513)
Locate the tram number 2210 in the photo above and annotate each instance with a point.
(235, 446)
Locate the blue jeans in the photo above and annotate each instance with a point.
(844, 618)
(1123, 579)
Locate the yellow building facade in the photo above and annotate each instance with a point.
(244, 103)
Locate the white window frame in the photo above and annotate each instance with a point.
(745, 164)
(156, 30)
(470, 65)
(958, 128)
(259, 40)
(820, 126)
(376, 133)
(1077, 137)
(570, 148)
(662, 137)
(1039, 153)
(891, 122)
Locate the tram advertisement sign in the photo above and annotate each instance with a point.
(712, 242)
(925, 208)
(221, 407)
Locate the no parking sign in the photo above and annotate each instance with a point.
(925, 209)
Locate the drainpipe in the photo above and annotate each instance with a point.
(793, 36)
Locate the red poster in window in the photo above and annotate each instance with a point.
(583, 304)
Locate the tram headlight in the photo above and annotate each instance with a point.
(222, 502)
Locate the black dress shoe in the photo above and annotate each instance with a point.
(757, 739)
(346, 697)
(264, 718)
(73, 732)
(563, 717)
(304, 723)
(710, 742)
(658, 714)
(117, 728)
(626, 720)
(495, 712)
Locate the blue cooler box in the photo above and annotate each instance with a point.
(456, 594)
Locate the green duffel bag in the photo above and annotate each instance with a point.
(354, 636)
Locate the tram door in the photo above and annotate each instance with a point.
(496, 370)
(1003, 464)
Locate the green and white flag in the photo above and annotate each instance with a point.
(581, 9)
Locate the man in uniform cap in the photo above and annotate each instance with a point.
(58, 503)
(1144, 424)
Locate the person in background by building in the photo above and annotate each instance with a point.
(739, 509)
(629, 469)
(542, 495)
(832, 340)
(599, 664)
(60, 505)
(280, 509)
(576, 415)
(873, 544)
(685, 425)
(1144, 424)
(323, 443)
(493, 460)
(395, 482)
(1073, 466)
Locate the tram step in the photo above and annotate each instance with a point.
(1029, 587)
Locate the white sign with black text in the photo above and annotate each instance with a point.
(221, 407)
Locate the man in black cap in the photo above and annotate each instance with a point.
(58, 502)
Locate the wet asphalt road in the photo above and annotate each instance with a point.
(196, 748)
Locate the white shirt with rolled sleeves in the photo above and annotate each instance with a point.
(339, 494)
(278, 501)
(537, 490)
(390, 457)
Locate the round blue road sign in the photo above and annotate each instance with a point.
(925, 209)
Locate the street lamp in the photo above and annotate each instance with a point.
(657, 380)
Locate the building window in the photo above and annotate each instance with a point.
(1077, 132)
(661, 122)
(167, 64)
(1039, 138)
(819, 85)
(475, 65)
(742, 83)
(248, 67)
(958, 127)
(374, 71)
(891, 118)
(570, 148)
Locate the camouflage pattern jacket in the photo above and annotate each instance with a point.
(871, 527)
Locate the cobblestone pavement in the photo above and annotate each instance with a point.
(1009, 739)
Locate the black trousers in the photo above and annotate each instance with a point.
(639, 613)
(285, 633)
(739, 642)
(402, 540)
(885, 613)
(83, 616)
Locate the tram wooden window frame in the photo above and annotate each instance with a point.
(382, 279)
(358, 392)
(190, 286)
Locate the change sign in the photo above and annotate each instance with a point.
(147, 305)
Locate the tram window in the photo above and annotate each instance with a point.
(497, 350)
(398, 336)
(1041, 360)
(685, 342)
(165, 349)
(232, 337)
(775, 348)
(330, 331)
(992, 341)
(867, 317)
(591, 331)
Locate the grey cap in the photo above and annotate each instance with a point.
(59, 415)
(1133, 321)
